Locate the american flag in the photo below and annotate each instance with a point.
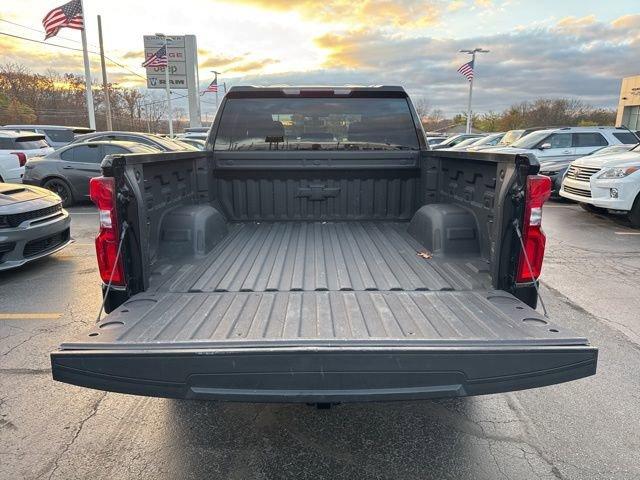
(213, 86)
(68, 15)
(467, 70)
(158, 59)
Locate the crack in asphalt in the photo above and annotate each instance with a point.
(67, 447)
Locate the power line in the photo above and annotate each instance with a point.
(74, 49)
(42, 31)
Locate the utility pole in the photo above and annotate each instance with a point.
(473, 65)
(166, 81)
(87, 74)
(105, 86)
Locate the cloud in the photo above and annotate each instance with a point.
(219, 61)
(134, 54)
(413, 13)
(252, 65)
(575, 57)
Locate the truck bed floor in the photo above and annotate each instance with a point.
(317, 256)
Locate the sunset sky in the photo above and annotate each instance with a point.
(579, 49)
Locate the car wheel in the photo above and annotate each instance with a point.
(634, 214)
(592, 208)
(61, 188)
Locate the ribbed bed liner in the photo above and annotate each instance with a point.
(318, 282)
(320, 256)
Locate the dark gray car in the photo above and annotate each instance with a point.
(155, 141)
(33, 224)
(67, 171)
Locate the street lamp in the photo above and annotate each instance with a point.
(166, 81)
(473, 62)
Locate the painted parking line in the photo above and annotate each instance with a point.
(627, 233)
(30, 316)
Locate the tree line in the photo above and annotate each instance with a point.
(552, 112)
(53, 98)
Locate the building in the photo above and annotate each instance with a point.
(629, 104)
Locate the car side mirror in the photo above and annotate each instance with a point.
(545, 146)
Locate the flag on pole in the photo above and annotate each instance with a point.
(213, 86)
(158, 59)
(68, 15)
(467, 70)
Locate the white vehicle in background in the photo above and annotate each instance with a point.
(16, 147)
(490, 140)
(56, 135)
(610, 182)
(435, 140)
(556, 148)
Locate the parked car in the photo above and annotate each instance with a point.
(194, 142)
(455, 140)
(163, 144)
(435, 140)
(556, 148)
(465, 143)
(489, 141)
(33, 224)
(56, 135)
(292, 276)
(610, 181)
(67, 171)
(16, 147)
(197, 132)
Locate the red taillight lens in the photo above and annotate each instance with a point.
(22, 158)
(538, 190)
(102, 191)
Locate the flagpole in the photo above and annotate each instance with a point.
(166, 81)
(473, 62)
(87, 72)
(105, 86)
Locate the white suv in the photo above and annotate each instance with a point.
(556, 148)
(606, 181)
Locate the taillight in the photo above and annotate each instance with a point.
(102, 191)
(22, 158)
(538, 190)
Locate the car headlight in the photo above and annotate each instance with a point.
(619, 172)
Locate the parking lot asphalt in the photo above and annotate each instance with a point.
(579, 430)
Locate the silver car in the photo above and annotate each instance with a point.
(33, 224)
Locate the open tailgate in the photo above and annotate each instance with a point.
(323, 346)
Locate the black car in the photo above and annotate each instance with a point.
(67, 171)
(163, 144)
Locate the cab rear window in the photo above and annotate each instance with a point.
(317, 124)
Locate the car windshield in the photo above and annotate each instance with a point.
(510, 137)
(488, 140)
(469, 142)
(531, 140)
(171, 145)
(316, 124)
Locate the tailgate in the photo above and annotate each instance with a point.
(323, 346)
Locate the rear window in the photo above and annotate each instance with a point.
(26, 144)
(316, 124)
(60, 135)
(626, 138)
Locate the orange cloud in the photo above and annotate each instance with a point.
(252, 65)
(414, 13)
(218, 61)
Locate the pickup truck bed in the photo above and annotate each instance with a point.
(284, 265)
(312, 297)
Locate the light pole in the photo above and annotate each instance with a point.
(473, 64)
(166, 81)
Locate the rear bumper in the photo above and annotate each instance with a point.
(323, 374)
